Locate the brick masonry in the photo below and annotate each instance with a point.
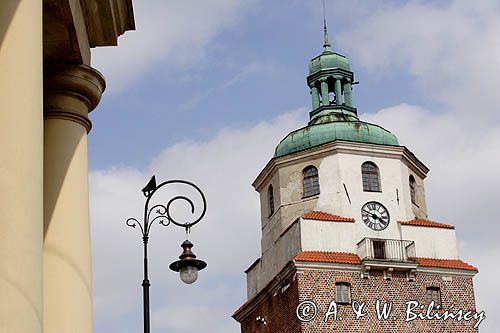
(278, 307)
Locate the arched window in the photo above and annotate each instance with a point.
(412, 188)
(311, 182)
(371, 177)
(270, 197)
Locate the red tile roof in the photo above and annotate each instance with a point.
(445, 263)
(322, 216)
(353, 259)
(332, 257)
(426, 223)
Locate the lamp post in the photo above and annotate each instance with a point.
(187, 265)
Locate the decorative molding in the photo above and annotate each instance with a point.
(323, 74)
(106, 20)
(61, 114)
(388, 273)
(71, 91)
(72, 28)
(446, 271)
(410, 275)
(308, 265)
(365, 272)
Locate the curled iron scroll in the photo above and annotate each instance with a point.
(132, 222)
(161, 213)
(187, 224)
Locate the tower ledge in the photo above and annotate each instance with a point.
(341, 146)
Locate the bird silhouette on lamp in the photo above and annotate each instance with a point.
(150, 187)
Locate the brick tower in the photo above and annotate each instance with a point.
(347, 245)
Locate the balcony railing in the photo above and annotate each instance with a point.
(386, 250)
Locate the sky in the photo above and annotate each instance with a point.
(205, 90)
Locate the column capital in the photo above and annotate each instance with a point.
(71, 91)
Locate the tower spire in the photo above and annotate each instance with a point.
(326, 44)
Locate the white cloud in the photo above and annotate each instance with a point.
(451, 49)
(227, 238)
(176, 33)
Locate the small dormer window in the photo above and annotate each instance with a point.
(270, 196)
(311, 182)
(371, 177)
(412, 189)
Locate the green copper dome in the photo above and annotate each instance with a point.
(320, 133)
(328, 60)
(333, 116)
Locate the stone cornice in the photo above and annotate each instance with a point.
(358, 268)
(305, 265)
(72, 27)
(414, 163)
(339, 146)
(446, 271)
(106, 20)
(329, 72)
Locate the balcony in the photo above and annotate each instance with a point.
(388, 255)
(386, 249)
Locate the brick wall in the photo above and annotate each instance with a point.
(320, 287)
(278, 308)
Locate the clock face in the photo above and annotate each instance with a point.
(375, 215)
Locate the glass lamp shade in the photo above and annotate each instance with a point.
(188, 274)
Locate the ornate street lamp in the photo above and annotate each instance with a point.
(187, 265)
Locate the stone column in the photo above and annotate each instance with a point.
(348, 94)
(324, 92)
(338, 92)
(21, 166)
(315, 97)
(70, 92)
